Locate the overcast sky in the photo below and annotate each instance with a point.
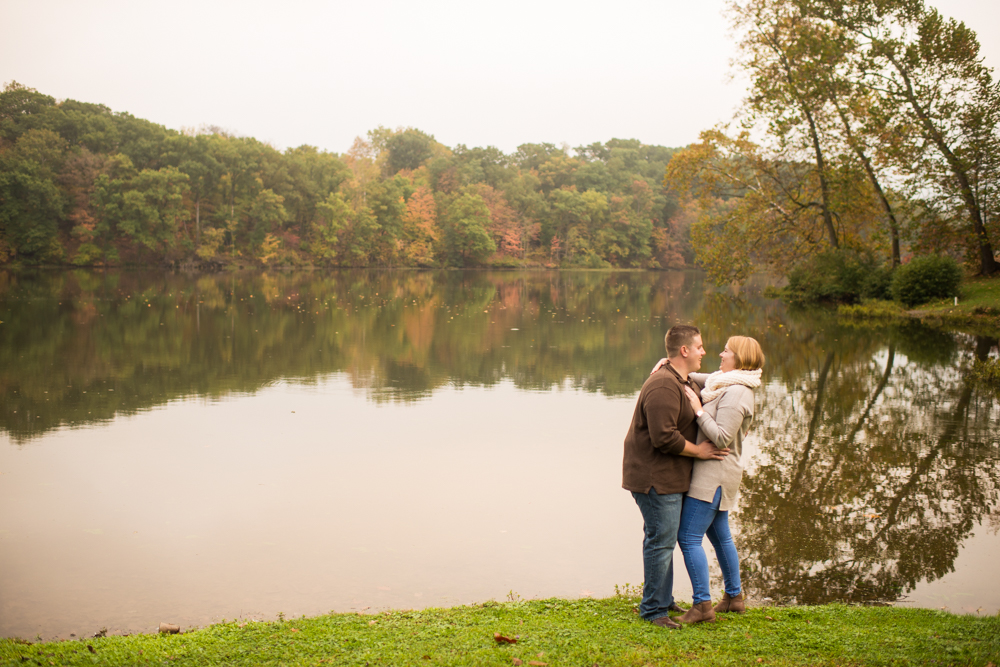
(321, 73)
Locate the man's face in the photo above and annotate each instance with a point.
(695, 352)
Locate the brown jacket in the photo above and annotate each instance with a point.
(663, 420)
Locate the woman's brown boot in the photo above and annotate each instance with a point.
(698, 613)
(727, 604)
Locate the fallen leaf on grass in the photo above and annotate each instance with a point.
(91, 648)
(425, 657)
(295, 629)
(500, 639)
(372, 622)
(517, 663)
(769, 618)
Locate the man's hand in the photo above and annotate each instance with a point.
(705, 451)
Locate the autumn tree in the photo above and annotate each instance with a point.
(774, 51)
(420, 230)
(758, 207)
(937, 99)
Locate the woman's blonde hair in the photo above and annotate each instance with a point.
(746, 353)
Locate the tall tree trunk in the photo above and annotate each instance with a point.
(824, 187)
(987, 264)
(873, 178)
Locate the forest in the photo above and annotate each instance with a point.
(83, 185)
(870, 133)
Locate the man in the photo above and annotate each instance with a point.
(659, 449)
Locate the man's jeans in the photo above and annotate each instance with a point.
(699, 518)
(661, 516)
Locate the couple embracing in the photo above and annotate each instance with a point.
(683, 464)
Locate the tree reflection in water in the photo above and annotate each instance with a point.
(877, 461)
(877, 456)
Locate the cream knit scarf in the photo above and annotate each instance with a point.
(717, 382)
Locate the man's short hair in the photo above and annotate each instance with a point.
(678, 336)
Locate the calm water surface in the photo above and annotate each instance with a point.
(192, 448)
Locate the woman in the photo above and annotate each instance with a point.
(725, 418)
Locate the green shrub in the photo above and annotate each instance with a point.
(925, 278)
(840, 276)
(87, 254)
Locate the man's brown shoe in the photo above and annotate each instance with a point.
(731, 604)
(698, 613)
(676, 608)
(665, 622)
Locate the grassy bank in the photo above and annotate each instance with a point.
(977, 312)
(552, 632)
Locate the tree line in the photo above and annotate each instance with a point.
(83, 185)
(870, 127)
(869, 134)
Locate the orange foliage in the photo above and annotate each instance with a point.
(669, 241)
(420, 227)
(504, 225)
(78, 177)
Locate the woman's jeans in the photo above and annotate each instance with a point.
(661, 516)
(698, 519)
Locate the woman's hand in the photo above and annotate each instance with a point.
(693, 398)
(659, 364)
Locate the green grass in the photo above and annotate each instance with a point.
(554, 632)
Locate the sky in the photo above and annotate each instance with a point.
(474, 73)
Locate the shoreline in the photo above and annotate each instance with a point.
(977, 311)
(552, 632)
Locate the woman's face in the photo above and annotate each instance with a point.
(728, 360)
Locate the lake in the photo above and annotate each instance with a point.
(189, 448)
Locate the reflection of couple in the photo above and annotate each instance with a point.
(683, 465)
